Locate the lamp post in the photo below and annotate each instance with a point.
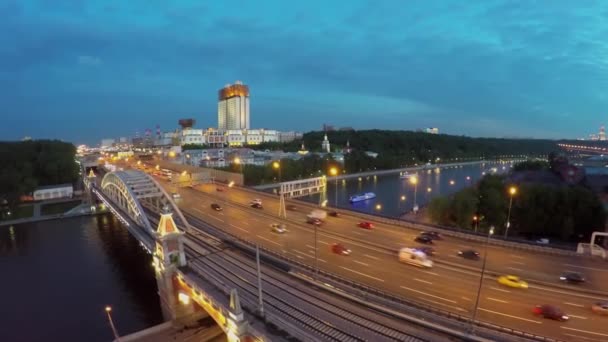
(476, 222)
(334, 172)
(512, 192)
(277, 165)
(108, 312)
(401, 199)
(483, 271)
(414, 180)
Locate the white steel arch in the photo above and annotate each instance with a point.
(133, 190)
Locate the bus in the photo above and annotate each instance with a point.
(415, 257)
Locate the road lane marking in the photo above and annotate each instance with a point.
(431, 273)
(299, 257)
(497, 300)
(423, 281)
(323, 242)
(444, 304)
(519, 262)
(502, 314)
(363, 274)
(371, 256)
(321, 260)
(515, 269)
(575, 316)
(501, 290)
(361, 263)
(574, 304)
(516, 256)
(299, 252)
(585, 331)
(465, 298)
(587, 268)
(217, 218)
(221, 214)
(311, 247)
(428, 294)
(237, 227)
(582, 337)
(263, 238)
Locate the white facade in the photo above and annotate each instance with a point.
(269, 135)
(193, 136)
(289, 136)
(235, 137)
(233, 113)
(53, 192)
(432, 130)
(325, 144)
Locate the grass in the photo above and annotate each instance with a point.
(58, 208)
(24, 211)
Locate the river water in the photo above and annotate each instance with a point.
(58, 276)
(396, 196)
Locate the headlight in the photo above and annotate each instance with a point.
(562, 278)
(565, 317)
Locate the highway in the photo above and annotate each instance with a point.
(443, 286)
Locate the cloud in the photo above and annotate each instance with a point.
(89, 60)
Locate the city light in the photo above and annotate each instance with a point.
(512, 190)
(378, 206)
(108, 308)
(429, 189)
(183, 298)
(333, 171)
(452, 182)
(276, 165)
(231, 184)
(237, 160)
(171, 154)
(403, 197)
(414, 180)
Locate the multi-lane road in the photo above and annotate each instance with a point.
(443, 286)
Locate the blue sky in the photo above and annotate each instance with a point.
(83, 70)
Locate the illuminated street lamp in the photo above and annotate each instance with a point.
(334, 172)
(512, 192)
(277, 166)
(414, 180)
(401, 199)
(108, 312)
(452, 182)
(378, 207)
(157, 167)
(483, 271)
(476, 222)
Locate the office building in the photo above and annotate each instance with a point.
(233, 107)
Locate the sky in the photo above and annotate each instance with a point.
(84, 70)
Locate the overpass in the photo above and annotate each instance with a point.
(200, 270)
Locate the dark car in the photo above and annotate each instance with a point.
(551, 312)
(366, 225)
(338, 248)
(469, 254)
(334, 214)
(424, 239)
(256, 205)
(314, 220)
(572, 277)
(291, 207)
(433, 235)
(216, 207)
(219, 189)
(430, 251)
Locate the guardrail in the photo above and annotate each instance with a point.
(448, 231)
(368, 292)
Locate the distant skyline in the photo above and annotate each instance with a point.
(83, 70)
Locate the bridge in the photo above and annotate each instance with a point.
(324, 296)
(585, 147)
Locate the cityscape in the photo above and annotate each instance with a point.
(299, 172)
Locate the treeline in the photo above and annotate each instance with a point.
(568, 213)
(29, 164)
(403, 148)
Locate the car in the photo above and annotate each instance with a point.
(512, 281)
(314, 220)
(551, 312)
(216, 207)
(600, 308)
(572, 277)
(256, 205)
(424, 239)
(366, 225)
(339, 248)
(278, 228)
(430, 251)
(333, 214)
(290, 207)
(256, 201)
(433, 235)
(469, 254)
(175, 195)
(219, 189)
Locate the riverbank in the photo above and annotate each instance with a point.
(80, 210)
(393, 171)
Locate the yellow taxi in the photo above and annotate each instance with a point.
(512, 281)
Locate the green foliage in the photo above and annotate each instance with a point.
(29, 164)
(566, 213)
(531, 165)
(187, 147)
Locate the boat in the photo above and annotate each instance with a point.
(362, 197)
(406, 175)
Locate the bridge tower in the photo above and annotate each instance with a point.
(89, 182)
(168, 256)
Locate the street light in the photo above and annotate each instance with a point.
(378, 206)
(277, 165)
(108, 312)
(414, 180)
(476, 222)
(512, 192)
(334, 172)
(483, 271)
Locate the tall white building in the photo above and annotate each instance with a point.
(233, 107)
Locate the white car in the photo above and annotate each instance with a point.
(256, 201)
(175, 195)
(278, 228)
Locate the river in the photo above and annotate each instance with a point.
(396, 196)
(58, 276)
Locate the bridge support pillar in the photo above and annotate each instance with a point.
(238, 327)
(168, 256)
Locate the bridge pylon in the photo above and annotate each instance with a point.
(168, 256)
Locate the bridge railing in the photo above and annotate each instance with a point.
(371, 294)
